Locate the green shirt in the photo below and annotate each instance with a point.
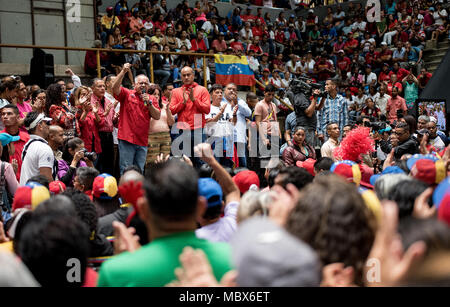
(154, 264)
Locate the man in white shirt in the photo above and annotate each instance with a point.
(214, 227)
(381, 99)
(219, 126)
(37, 155)
(240, 112)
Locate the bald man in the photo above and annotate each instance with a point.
(56, 141)
(191, 102)
(105, 222)
(137, 107)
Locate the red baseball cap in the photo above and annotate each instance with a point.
(308, 164)
(245, 179)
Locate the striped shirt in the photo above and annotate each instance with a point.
(334, 110)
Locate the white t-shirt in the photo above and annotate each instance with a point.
(437, 19)
(223, 229)
(223, 127)
(360, 101)
(246, 34)
(381, 102)
(359, 25)
(310, 66)
(372, 76)
(148, 25)
(38, 155)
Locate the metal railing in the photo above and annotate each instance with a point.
(98, 51)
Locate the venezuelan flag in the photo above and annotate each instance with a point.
(233, 69)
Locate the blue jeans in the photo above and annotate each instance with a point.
(131, 154)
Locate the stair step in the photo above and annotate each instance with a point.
(434, 62)
(434, 57)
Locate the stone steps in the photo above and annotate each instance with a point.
(434, 53)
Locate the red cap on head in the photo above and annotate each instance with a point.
(308, 164)
(56, 187)
(245, 179)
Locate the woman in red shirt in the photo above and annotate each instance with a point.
(58, 110)
(90, 119)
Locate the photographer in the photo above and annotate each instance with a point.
(305, 111)
(73, 157)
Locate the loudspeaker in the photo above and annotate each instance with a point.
(42, 68)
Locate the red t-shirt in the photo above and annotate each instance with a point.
(344, 64)
(324, 74)
(257, 31)
(390, 86)
(401, 73)
(255, 48)
(134, 120)
(424, 78)
(384, 77)
(196, 45)
(237, 46)
(372, 57)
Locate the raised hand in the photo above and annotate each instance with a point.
(204, 152)
(69, 72)
(126, 67)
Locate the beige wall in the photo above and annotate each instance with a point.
(49, 18)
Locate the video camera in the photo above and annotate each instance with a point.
(306, 86)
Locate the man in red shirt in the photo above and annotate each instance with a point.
(324, 69)
(371, 58)
(343, 63)
(400, 72)
(255, 47)
(236, 44)
(423, 78)
(191, 102)
(198, 43)
(384, 74)
(136, 110)
(385, 54)
(11, 117)
(219, 44)
(351, 44)
(257, 30)
(394, 104)
(248, 16)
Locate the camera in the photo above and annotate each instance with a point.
(90, 155)
(376, 126)
(422, 132)
(301, 85)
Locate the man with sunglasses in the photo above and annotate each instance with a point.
(402, 142)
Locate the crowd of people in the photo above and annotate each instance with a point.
(139, 184)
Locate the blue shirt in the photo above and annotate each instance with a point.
(413, 55)
(334, 110)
